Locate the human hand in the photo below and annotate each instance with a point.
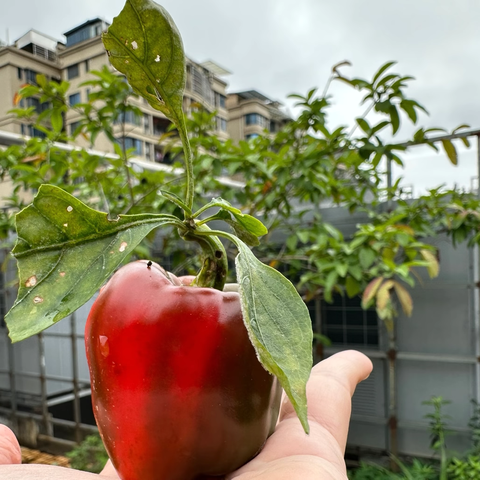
(289, 454)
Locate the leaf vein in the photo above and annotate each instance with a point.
(90, 238)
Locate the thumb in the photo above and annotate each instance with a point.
(9, 448)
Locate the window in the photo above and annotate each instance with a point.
(221, 124)
(201, 85)
(344, 322)
(74, 99)
(146, 123)
(160, 125)
(87, 65)
(73, 71)
(73, 127)
(31, 131)
(220, 100)
(88, 31)
(251, 136)
(129, 117)
(33, 102)
(256, 119)
(160, 156)
(31, 76)
(19, 73)
(148, 149)
(134, 143)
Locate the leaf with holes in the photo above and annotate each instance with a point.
(65, 252)
(144, 43)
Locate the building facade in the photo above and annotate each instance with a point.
(251, 114)
(83, 51)
(239, 116)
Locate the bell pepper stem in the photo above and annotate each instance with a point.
(214, 269)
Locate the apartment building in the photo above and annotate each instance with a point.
(73, 61)
(251, 114)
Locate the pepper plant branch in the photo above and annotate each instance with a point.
(214, 269)
(190, 183)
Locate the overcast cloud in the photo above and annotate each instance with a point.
(284, 46)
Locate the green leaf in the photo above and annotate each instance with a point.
(303, 235)
(460, 127)
(330, 283)
(352, 286)
(249, 224)
(366, 256)
(241, 232)
(394, 118)
(363, 124)
(57, 121)
(334, 232)
(322, 339)
(144, 43)
(451, 151)
(408, 107)
(383, 107)
(341, 269)
(175, 199)
(292, 242)
(65, 252)
(382, 69)
(379, 127)
(279, 326)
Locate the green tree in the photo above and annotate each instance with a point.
(288, 176)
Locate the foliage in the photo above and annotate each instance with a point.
(449, 467)
(474, 425)
(417, 470)
(438, 431)
(89, 456)
(289, 176)
(460, 469)
(64, 244)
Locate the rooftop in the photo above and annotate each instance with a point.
(253, 95)
(93, 21)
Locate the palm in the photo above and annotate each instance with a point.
(289, 453)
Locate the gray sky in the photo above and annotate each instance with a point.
(284, 46)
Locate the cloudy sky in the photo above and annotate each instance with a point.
(284, 46)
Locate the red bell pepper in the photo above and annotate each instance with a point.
(175, 377)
